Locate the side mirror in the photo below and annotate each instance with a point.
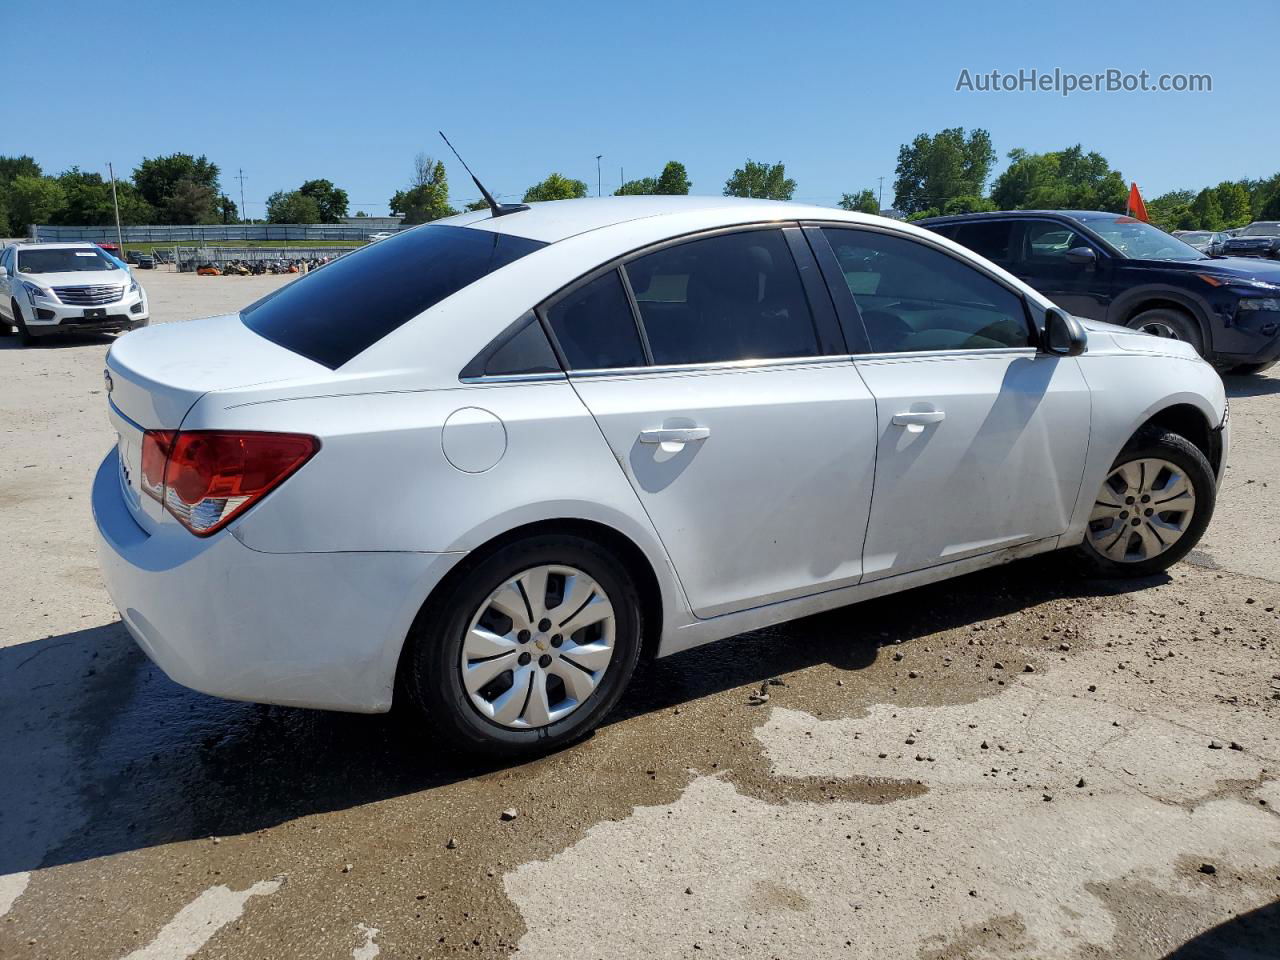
(1082, 256)
(1063, 334)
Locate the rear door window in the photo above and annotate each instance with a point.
(735, 296)
(346, 306)
(986, 238)
(594, 326)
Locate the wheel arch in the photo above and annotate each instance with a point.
(624, 547)
(1189, 421)
(1139, 300)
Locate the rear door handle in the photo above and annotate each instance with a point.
(675, 434)
(918, 418)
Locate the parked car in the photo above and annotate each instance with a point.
(1260, 239)
(570, 436)
(146, 261)
(375, 237)
(1206, 241)
(1108, 267)
(49, 288)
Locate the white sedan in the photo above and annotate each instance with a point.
(489, 463)
(50, 288)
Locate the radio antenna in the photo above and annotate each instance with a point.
(499, 209)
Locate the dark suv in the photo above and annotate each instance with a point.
(1260, 239)
(1120, 270)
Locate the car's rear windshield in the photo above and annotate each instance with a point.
(350, 304)
(1261, 230)
(63, 260)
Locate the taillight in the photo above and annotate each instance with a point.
(207, 478)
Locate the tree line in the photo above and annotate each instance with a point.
(947, 173)
(943, 173)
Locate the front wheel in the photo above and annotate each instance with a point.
(1153, 507)
(1244, 369)
(24, 335)
(1170, 324)
(528, 650)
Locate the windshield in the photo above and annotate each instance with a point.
(1261, 230)
(63, 260)
(1141, 241)
(1193, 237)
(344, 307)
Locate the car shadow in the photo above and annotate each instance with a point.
(1254, 935)
(106, 755)
(1255, 385)
(58, 341)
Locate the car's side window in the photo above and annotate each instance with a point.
(520, 350)
(732, 296)
(595, 327)
(986, 238)
(914, 297)
(1046, 242)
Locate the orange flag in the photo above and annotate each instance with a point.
(1136, 207)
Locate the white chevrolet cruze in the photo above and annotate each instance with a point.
(488, 463)
(49, 288)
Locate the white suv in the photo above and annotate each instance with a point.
(48, 288)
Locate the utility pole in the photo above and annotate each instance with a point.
(240, 177)
(599, 189)
(116, 203)
(880, 201)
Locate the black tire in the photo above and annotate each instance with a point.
(24, 335)
(1171, 323)
(1244, 369)
(430, 674)
(1157, 443)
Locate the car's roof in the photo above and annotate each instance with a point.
(1082, 215)
(77, 245)
(560, 219)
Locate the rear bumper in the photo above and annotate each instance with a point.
(317, 630)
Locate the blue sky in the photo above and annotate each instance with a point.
(290, 91)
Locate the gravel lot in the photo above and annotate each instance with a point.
(1018, 763)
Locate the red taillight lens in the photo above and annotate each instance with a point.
(210, 476)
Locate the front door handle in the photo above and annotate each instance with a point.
(674, 434)
(918, 418)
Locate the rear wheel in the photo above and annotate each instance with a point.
(1153, 506)
(529, 650)
(1171, 324)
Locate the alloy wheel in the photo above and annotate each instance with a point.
(538, 647)
(1143, 509)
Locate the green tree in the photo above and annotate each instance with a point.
(645, 186)
(1172, 210)
(933, 169)
(762, 180)
(34, 200)
(227, 210)
(1207, 210)
(292, 207)
(556, 187)
(13, 167)
(1233, 197)
(958, 205)
(331, 200)
(4, 214)
(673, 180)
(1067, 179)
(481, 204)
(181, 188)
(427, 198)
(864, 201)
(1270, 209)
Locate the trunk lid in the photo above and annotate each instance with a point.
(154, 376)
